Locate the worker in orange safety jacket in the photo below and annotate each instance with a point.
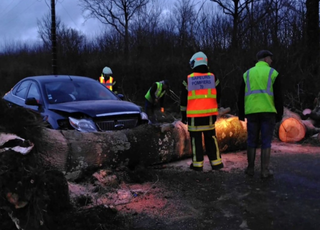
(199, 100)
(108, 80)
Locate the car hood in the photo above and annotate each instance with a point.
(97, 108)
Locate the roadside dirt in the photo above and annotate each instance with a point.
(173, 197)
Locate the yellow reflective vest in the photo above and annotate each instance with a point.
(259, 89)
(158, 93)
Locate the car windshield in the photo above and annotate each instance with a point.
(66, 91)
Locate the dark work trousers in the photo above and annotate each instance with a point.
(210, 146)
(149, 109)
(260, 124)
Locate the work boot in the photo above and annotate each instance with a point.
(265, 160)
(251, 156)
(196, 168)
(217, 167)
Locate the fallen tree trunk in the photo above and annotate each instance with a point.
(73, 152)
(35, 162)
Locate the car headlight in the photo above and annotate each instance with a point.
(83, 125)
(144, 116)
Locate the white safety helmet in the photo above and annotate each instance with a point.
(107, 70)
(197, 59)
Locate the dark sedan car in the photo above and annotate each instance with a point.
(75, 102)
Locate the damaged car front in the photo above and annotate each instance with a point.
(75, 102)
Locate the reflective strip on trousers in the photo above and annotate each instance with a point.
(218, 161)
(199, 128)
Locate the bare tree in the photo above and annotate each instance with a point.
(187, 16)
(44, 29)
(236, 9)
(145, 27)
(313, 32)
(70, 40)
(116, 13)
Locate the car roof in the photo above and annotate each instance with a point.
(44, 78)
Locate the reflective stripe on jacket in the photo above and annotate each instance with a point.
(109, 83)
(101, 79)
(259, 88)
(158, 93)
(202, 95)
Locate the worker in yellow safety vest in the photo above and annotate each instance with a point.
(155, 97)
(260, 101)
(108, 80)
(199, 100)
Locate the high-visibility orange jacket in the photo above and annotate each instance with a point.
(202, 95)
(109, 83)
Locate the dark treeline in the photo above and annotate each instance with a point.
(149, 45)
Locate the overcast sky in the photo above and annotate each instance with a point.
(18, 19)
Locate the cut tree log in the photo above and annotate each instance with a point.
(231, 133)
(293, 129)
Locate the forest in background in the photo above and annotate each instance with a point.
(142, 43)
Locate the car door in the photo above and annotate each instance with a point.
(28, 89)
(34, 92)
(20, 93)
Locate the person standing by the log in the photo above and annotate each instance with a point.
(260, 101)
(155, 97)
(200, 96)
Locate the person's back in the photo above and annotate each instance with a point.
(260, 101)
(199, 103)
(259, 88)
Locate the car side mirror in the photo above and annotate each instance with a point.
(120, 96)
(32, 101)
